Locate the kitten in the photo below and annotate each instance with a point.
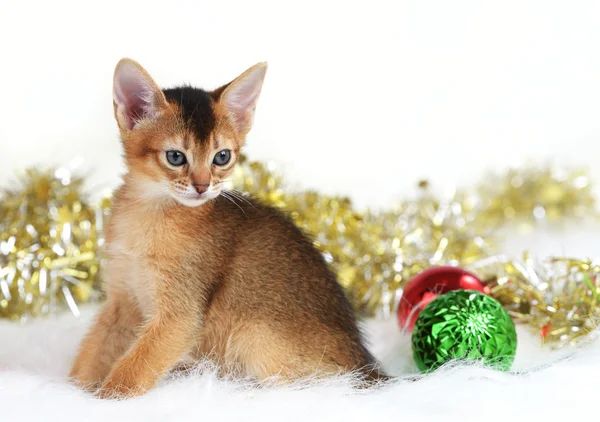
(193, 274)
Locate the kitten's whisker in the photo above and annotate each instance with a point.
(225, 195)
(242, 199)
(234, 195)
(240, 196)
(238, 192)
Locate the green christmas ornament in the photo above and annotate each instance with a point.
(464, 324)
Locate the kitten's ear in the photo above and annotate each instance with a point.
(241, 95)
(136, 96)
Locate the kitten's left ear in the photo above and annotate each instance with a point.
(241, 95)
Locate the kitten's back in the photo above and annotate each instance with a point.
(279, 284)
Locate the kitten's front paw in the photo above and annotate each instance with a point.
(118, 389)
(89, 386)
(84, 380)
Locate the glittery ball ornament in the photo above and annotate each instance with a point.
(429, 284)
(464, 324)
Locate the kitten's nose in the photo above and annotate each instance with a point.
(201, 188)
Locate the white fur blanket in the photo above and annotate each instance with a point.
(35, 359)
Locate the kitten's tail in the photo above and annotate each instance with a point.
(375, 377)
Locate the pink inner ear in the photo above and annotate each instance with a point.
(242, 96)
(133, 94)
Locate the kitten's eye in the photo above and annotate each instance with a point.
(176, 158)
(222, 157)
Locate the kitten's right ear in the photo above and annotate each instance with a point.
(136, 96)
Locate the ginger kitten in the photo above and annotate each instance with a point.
(190, 273)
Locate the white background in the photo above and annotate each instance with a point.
(361, 98)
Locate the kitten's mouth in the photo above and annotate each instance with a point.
(195, 199)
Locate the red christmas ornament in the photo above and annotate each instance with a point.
(431, 283)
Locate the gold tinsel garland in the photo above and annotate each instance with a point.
(49, 236)
(49, 239)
